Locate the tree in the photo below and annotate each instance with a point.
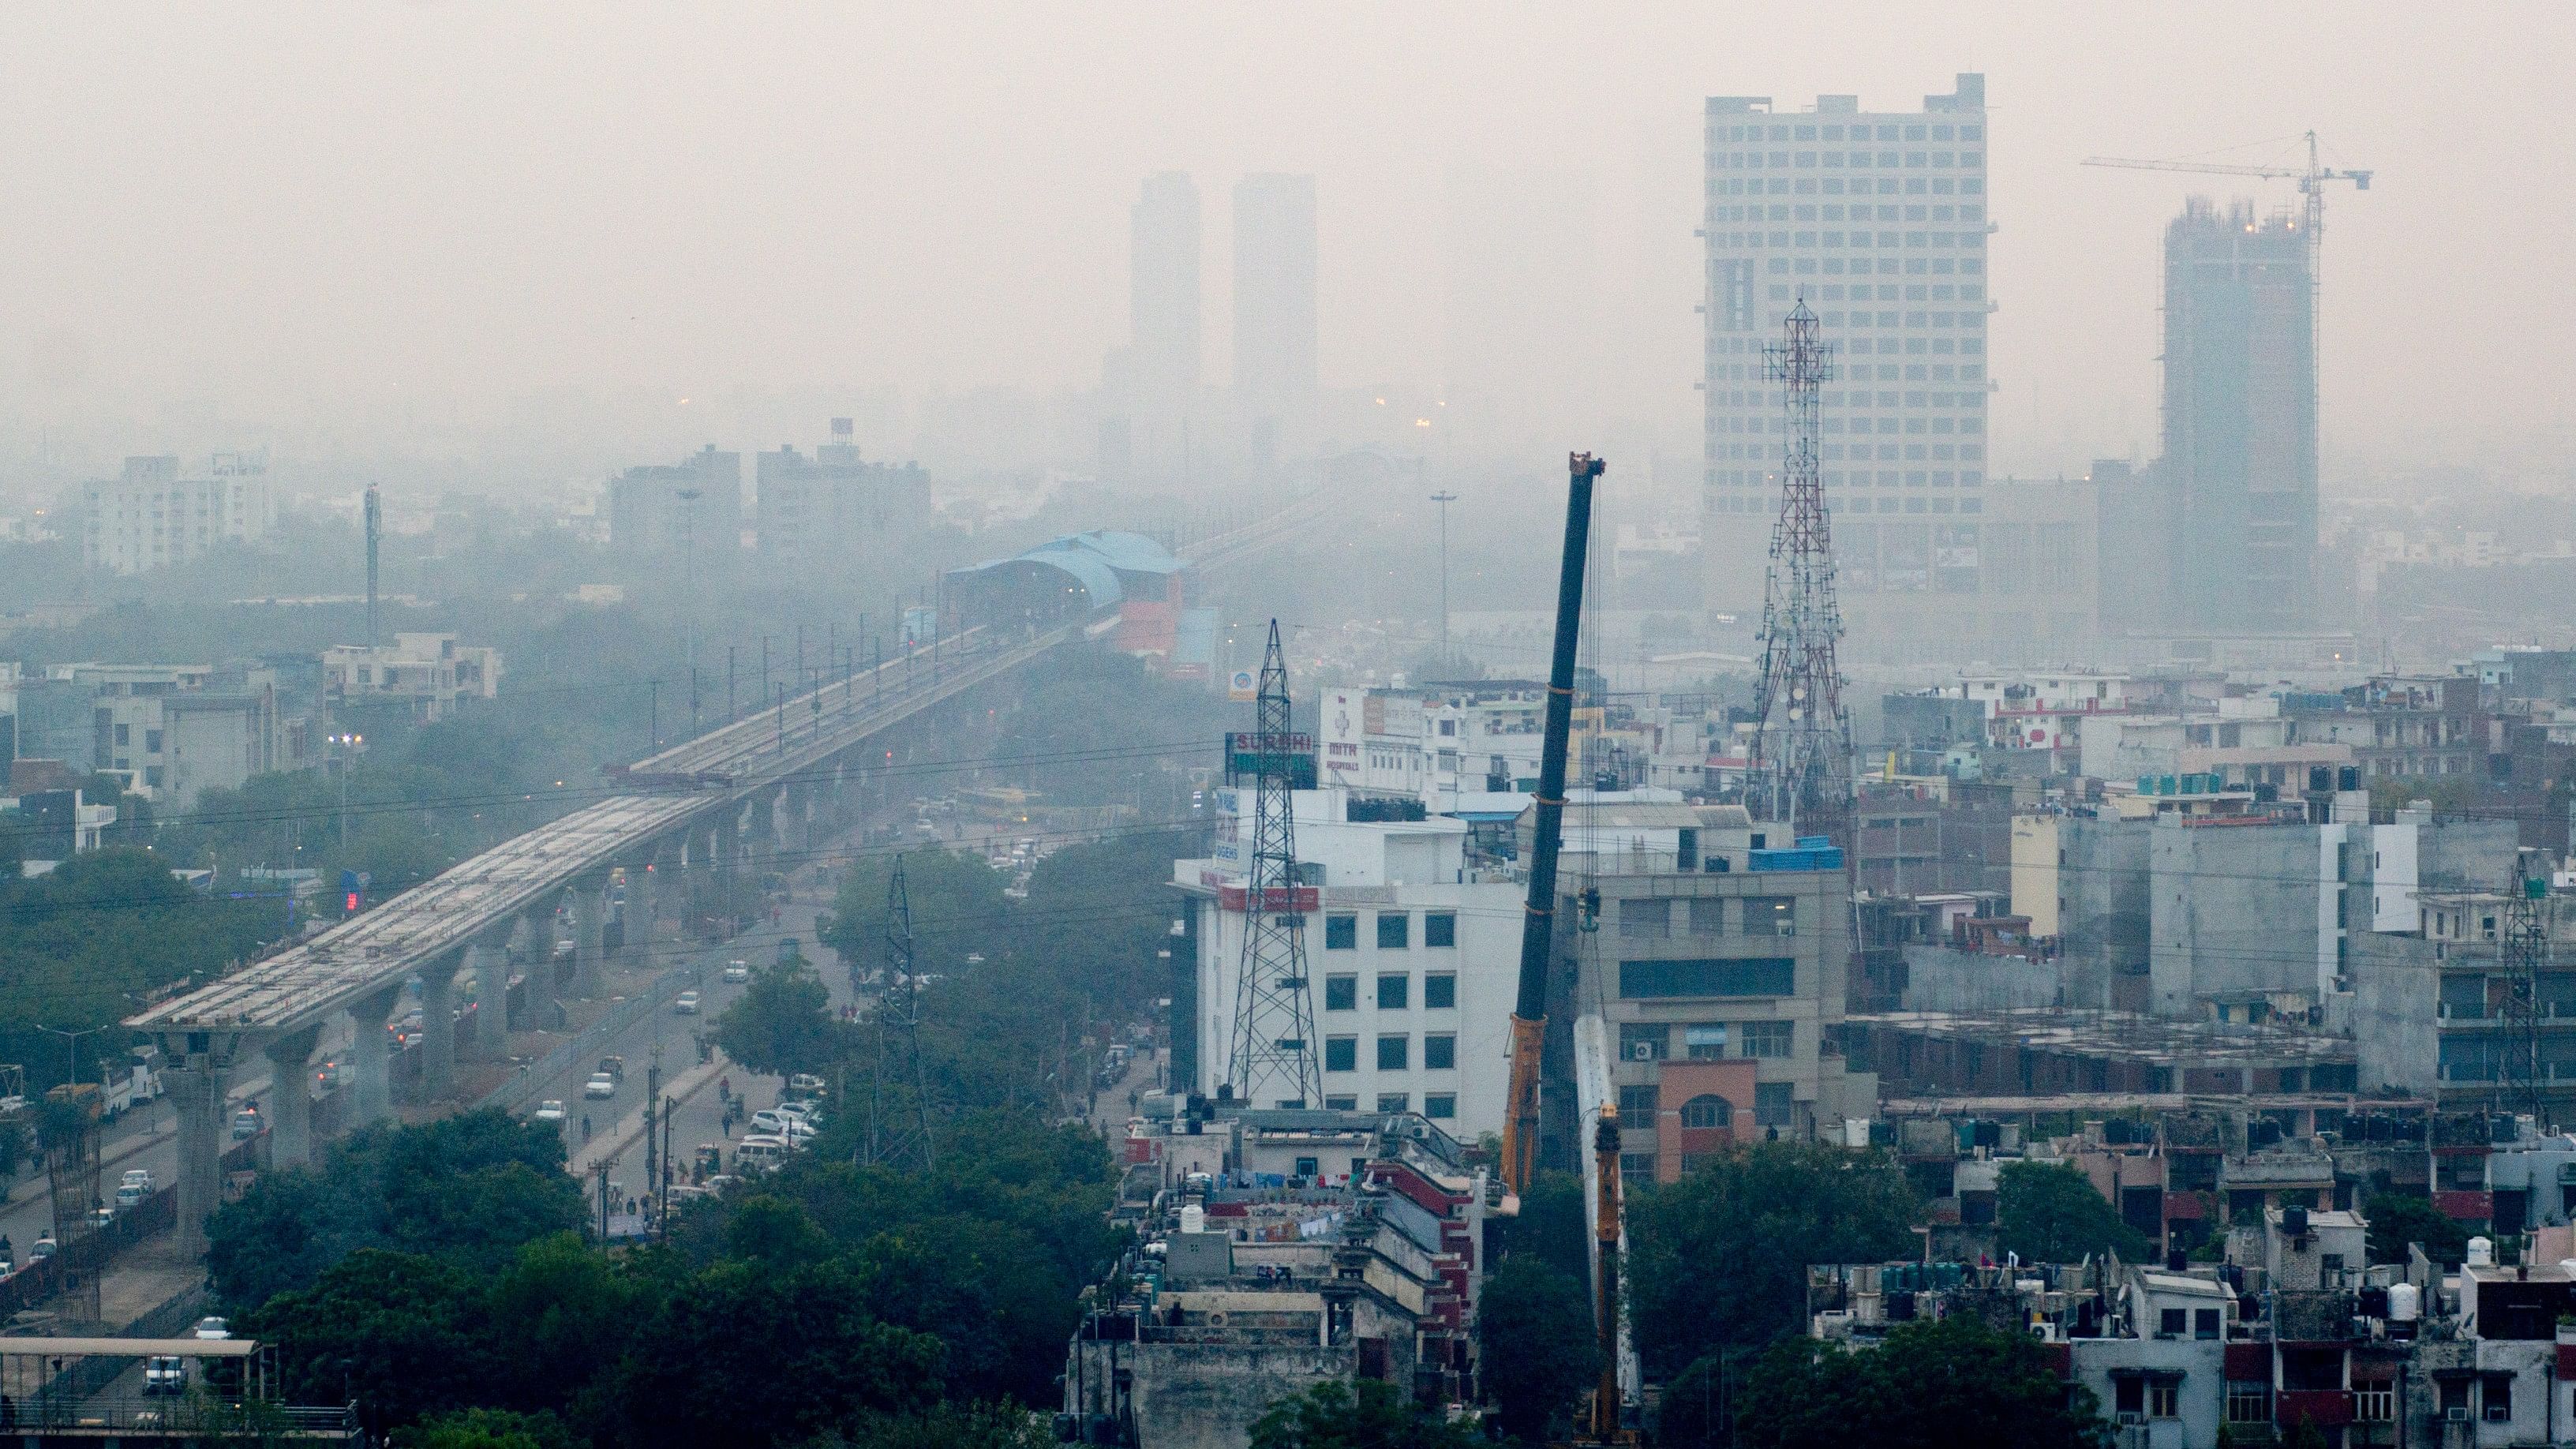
(1332, 1416)
(782, 1023)
(744, 1357)
(564, 1311)
(487, 1429)
(1953, 1383)
(956, 903)
(1537, 1345)
(2051, 1213)
(949, 1426)
(1719, 1259)
(1555, 1224)
(404, 1336)
(2397, 1219)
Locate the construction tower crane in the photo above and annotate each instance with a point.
(2312, 179)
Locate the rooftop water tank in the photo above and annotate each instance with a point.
(1193, 1219)
(2405, 1300)
(2481, 1253)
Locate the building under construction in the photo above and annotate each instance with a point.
(2058, 1051)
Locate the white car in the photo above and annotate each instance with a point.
(549, 1110)
(601, 1084)
(213, 1328)
(737, 972)
(136, 1177)
(163, 1374)
(685, 1004)
(787, 1126)
(809, 1113)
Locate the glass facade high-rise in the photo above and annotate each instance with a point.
(1879, 221)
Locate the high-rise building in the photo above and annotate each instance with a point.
(1274, 306)
(149, 517)
(668, 509)
(831, 509)
(2240, 464)
(1878, 220)
(1150, 385)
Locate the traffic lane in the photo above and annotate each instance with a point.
(144, 1137)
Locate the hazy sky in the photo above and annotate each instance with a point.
(289, 211)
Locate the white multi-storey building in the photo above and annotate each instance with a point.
(1414, 965)
(431, 674)
(149, 517)
(1878, 221)
(1441, 744)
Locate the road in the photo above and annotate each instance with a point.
(144, 1137)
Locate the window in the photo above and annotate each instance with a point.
(1394, 930)
(1766, 1039)
(1644, 1041)
(2375, 1403)
(1440, 1105)
(1439, 1051)
(1394, 990)
(1306, 1166)
(1341, 1053)
(1708, 916)
(1341, 933)
(2129, 1398)
(1636, 1167)
(1395, 1101)
(1637, 1107)
(1708, 1110)
(2204, 1323)
(152, 741)
(1440, 928)
(2174, 1322)
(1394, 1052)
(1754, 976)
(2249, 1403)
(1341, 1104)
(1645, 919)
(1341, 993)
(2495, 1398)
(2455, 1395)
(1770, 915)
(124, 733)
(1439, 990)
(2160, 1400)
(1771, 1104)
(1705, 1041)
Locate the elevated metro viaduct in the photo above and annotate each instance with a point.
(701, 805)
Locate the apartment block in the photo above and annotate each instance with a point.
(149, 517)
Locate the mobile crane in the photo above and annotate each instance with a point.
(1538, 943)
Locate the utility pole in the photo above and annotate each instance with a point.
(655, 688)
(375, 537)
(1444, 498)
(730, 714)
(764, 669)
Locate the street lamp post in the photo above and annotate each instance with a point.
(347, 746)
(1444, 498)
(71, 1039)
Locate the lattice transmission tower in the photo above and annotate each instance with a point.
(1271, 1057)
(2524, 944)
(899, 1129)
(1800, 770)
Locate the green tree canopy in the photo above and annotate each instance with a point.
(782, 1023)
(1367, 1415)
(1555, 1224)
(1719, 1259)
(1536, 1345)
(2397, 1219)
(1953, 1383)
(956, 902)
(404, 1336)
(2051, 1213)
(487, 1429)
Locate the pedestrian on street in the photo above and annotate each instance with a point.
(585, 1128)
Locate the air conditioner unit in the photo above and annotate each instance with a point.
(2456, 1416)
(1643, 1051)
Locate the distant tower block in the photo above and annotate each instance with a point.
(1800, 773)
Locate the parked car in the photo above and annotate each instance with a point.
(804, 1084)
(213, 1328)
(809, 1113)
(137, 1177)
(685, 1004)
(549, 1110)
(737, 972)
(246, 1124)
(601, 1084)
(41, 1249)
(794, 1130)
(165, 1374)
(760, 1154)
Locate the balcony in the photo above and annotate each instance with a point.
(2325, 1408)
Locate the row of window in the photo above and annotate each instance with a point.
(1725, 976)
(1858, 240)
(1435, 1105)
(1394, 1052)
(1858, 398)
(1856, 132)
(1706, 1041)
(1814, 160)
(1833, 186)
(1394, 991)
(1772, 1105)
(1642, 917)
(1738, 213)
(1394, 930)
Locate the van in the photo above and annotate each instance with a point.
(759, 1154)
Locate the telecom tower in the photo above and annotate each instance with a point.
(1800, 773)
(1271, 1060)
(2525, 948)
(375, 536)
(896, 1137)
